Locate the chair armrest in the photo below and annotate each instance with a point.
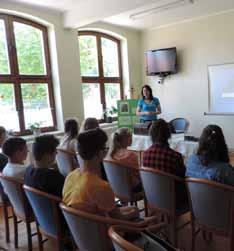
(151, 220)
(156, 227)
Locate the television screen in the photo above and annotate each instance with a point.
(161, 61)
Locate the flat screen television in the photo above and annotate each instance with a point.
(161, 62)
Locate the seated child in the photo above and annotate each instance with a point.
(16, 151)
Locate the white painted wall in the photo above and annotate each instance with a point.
(64, 58)
(199, 43)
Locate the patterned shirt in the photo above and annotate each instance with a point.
(165, 159)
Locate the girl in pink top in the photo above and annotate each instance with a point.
(121, 139)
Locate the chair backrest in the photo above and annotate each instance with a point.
(46, 210)
(88, 230)
(120, 244)
(211, 204)
(159, 189)
(14, 190)
(119, 178)
(66, 161)
(180, 124)
(3, 196)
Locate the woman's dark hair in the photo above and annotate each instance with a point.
(45, 144)
(160, 132)
(91, 142)
(71, 128)
(12, 145)
(89, 123)
(212, 145)
(2, 130)
(149, 89)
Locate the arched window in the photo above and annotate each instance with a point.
(26, 97)
(100, 63)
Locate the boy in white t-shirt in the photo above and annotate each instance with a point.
(16, 151)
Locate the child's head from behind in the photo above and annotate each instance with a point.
(121, 139)
(212, 145)
(89, 123)
(71, 127)
(92, 144)
(160, 132)
(2, 135)
(15, 149)
(44, 149)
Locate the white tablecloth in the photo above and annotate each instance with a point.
(177, 142)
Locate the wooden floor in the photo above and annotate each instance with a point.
(184, 238)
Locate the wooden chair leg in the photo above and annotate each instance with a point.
(146, 207)
(207, 236)
(29, 235)
(193, 236)
(6, 222)
(15, 230)
(59, 245)
(39, 236)
(174, 233)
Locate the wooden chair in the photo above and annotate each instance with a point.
(48, 215)
(6, 206)
(212, 208)
(22, 210)
(119, 177)
(160, 193)
(66, 161)
(89, 231)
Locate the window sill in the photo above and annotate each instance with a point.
(108, 125)
(31, 137)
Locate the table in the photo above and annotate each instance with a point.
(177, 142)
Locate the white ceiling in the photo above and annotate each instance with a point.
(78, 13)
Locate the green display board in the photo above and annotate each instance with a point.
(127, 113)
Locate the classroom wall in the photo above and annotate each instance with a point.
(200, 42)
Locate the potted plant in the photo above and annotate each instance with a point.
(35, 128)
(109, 113)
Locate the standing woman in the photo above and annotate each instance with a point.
(148, 106)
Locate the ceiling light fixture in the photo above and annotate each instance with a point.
(159, 8)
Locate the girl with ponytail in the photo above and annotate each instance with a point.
(212, 160)
(118, 152)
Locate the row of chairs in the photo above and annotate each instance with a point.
(32, 205)
(160, 194)
(211, 204)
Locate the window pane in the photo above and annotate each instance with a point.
(9, 115)
(4, 60)
(88, 56)
(36, 105)
(30, 49)
(110, 58)
(92, 100)
(112, 93)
